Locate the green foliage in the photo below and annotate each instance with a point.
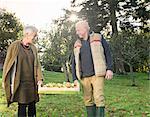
(138, 11)
(59, 44)
(122, 100)
(132, 48)
(9, 31)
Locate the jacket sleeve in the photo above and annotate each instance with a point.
(107, 54)
(39, 70)
(7, 62)
(74, 68)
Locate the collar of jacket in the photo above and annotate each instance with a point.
(12, 51)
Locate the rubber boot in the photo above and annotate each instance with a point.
(91, 111)
(100, 112)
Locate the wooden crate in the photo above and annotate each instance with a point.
(57, 90)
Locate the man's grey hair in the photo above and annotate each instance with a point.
(83, 23)
(30, 29)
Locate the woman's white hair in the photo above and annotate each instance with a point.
(83, 23)
(30, 29)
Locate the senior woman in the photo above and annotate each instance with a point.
(22, 73)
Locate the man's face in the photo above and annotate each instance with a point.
(81, 31)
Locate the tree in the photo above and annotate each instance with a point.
(134, 50)
(134, 12)
(9, 31)
(60, 42)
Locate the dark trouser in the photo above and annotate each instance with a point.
(31, 110)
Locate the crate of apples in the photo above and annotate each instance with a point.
(59, 88)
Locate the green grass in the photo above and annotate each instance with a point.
(122, 100)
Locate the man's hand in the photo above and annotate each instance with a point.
(109, 75)
(40, 83)
(76, 83)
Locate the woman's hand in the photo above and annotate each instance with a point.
(40, 83)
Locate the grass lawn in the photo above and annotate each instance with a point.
(122, 100)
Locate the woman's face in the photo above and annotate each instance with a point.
(31, 37)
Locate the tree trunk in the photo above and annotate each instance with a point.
(113, 6)
(66, 72)
(132, 76)
(119, 66)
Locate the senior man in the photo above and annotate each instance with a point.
(91, 64)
